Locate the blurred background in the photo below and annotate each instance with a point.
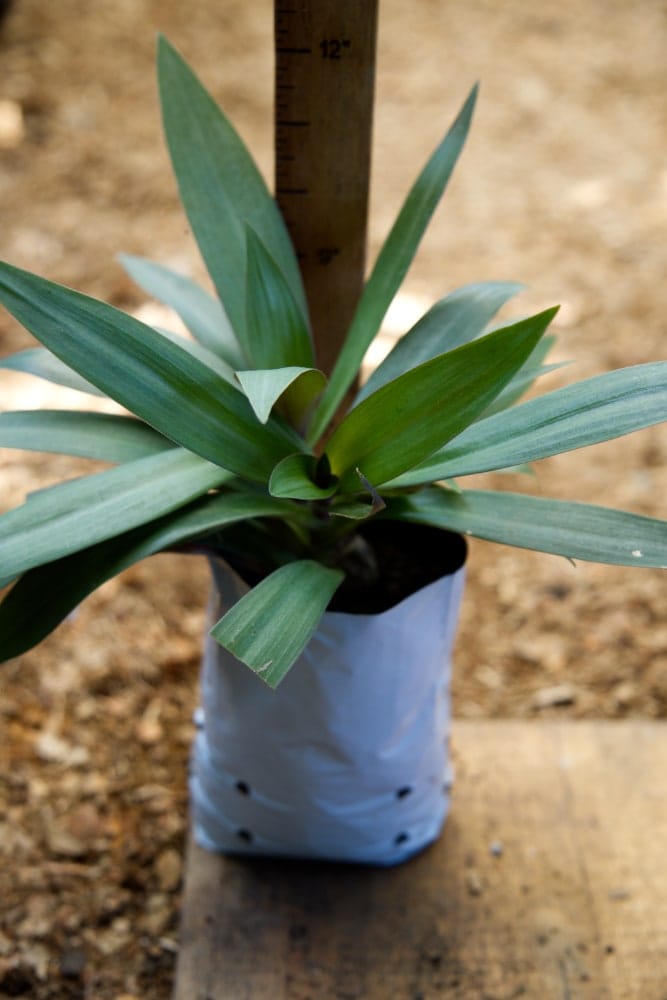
(562, 186)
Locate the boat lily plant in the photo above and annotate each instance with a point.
(230, 445)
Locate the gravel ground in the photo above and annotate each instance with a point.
(563, 186)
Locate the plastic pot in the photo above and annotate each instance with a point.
(347, 759)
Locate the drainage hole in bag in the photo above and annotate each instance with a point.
(404, 792)
(245, 836)
(243, 787)
(401, 838)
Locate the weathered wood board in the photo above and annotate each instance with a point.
(325, 76)
(550, 880)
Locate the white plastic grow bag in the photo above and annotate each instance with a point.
(348, 759)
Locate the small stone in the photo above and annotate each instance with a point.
(60, 840)
(72, 963)
(149, 728)
(38, 958)
(14, 841)
(473, 883)
(624, 693)
(155, 923)
(555, 697)
(38, 919)
(12, 125)
(168, 868)
(85, 822)
(168, 944)
(496, 848)
(489, 677)
(112, 940)
(53, 749)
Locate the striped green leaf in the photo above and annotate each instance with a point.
(102, 436)
(392, 264)
(271, 624)
(43, 364)
(410, 418)
(45, 595)
(453, 321)
(200, 353)
(220, 186)
(597, 409)
(573, 530)
(56, 522)
(277, 334)
(142, 370)
(202, 314)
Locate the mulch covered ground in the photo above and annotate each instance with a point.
(563, 187)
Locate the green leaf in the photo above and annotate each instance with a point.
(596, 409)
(139, 368)
(453, 321)
(294, 388)
(271, 624)
(200, 312)
(74, 515)
(518, 386)
(195, 350)
(408, 419)
(101, 436)
(277, 335)
(528, 374)
(354, 511)
(573, 530)
(43, 364)
(220, 186)
(45, 595)
(296, 477)
(392, 264)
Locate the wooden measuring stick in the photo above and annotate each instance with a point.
(325, 69)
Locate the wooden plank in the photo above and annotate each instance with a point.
(325, 70)
(549, 881)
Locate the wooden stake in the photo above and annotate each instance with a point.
(325, 68)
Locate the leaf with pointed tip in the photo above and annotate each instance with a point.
(55, 523)
(200, 312)
(277, 335)
(292, 389)
(407, 420)
(518, 386)
(573, 530)
(102, 436)
(271, 624)
(158, 381)
(45, 595)
(296, 478)
(392, 264)
(43, 364)
(453, 321)
(597, 409)
(220, 186)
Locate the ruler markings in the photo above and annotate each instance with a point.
(324, 67)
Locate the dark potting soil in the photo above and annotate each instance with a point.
(408, 557)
